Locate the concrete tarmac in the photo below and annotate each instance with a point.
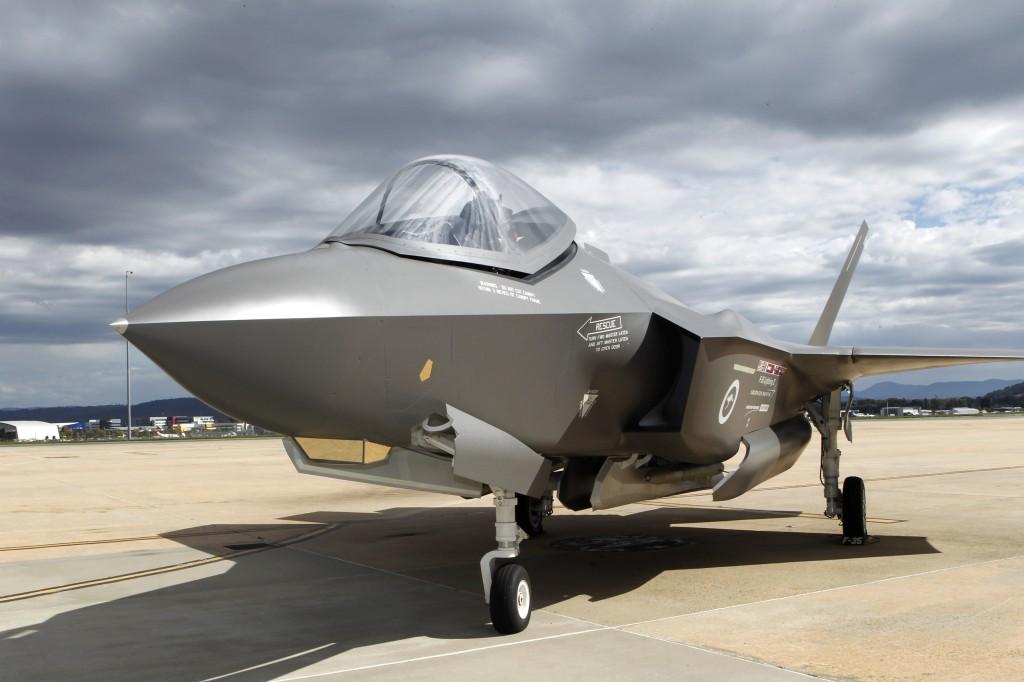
(203, 560)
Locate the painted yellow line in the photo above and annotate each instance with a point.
(163, 569)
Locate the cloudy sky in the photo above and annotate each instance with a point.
(726, 152)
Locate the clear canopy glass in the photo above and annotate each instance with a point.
(462, 209)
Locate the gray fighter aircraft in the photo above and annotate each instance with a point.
(452, 336)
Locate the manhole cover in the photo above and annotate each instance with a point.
(619, 543)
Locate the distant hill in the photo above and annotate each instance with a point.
(939, 389)
(1011, 395)
(154, 408)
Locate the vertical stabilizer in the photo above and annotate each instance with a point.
(823, 329)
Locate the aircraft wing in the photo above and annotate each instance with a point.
(870, 361)
(834, 363)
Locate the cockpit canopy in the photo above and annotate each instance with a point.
(462, 209)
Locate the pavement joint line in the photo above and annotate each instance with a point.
(95, 582)
(139, 538)
(619, 628)
(447, 654)
(930, 474)
(264, 665)
(821, 591)
(762, 512)
(386, 571)
(760, 489)
(724, 654)
(172, 536)
(195, 563)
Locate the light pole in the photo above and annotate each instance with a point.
(127, 359)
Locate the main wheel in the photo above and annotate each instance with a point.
(530, 514)
(510, 599)
(855, 522)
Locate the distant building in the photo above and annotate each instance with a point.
(28, 431)
(158, 422)
(965, 411)
(903, 412)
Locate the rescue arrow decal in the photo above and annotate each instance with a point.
(592, 326)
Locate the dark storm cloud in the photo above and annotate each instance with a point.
(360, 88)
(178, 137)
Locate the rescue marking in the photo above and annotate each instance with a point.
(732, 395)
(604, 334)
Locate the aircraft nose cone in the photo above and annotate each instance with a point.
(286, 287)
(258, 341)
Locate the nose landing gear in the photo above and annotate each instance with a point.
(507, 588)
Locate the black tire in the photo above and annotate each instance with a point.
(530, 514)
(855, 524)
(511, 599)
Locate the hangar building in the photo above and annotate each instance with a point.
(28, 431)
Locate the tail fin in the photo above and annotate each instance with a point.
(823, 330)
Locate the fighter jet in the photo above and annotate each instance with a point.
(452, 335)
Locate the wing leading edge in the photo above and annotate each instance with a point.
(870, 361)
(836, 365)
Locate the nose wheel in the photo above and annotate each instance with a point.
(510, 601)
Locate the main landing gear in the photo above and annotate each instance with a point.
(507, 588)
(531, 512)
(850, 505)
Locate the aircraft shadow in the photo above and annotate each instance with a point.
(285, 608)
